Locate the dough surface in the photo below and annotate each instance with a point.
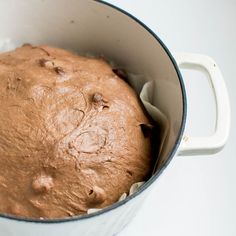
(70, 134)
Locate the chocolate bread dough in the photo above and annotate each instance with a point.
(70, 134)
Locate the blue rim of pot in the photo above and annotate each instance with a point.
(154, 177)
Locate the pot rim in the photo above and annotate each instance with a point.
(154, 177)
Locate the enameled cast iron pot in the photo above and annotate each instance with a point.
(98, 27)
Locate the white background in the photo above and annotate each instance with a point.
(195, 195)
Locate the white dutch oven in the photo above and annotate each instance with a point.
(94, 26)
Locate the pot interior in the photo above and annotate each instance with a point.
(94, 27)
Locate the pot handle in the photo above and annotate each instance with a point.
(214, 143)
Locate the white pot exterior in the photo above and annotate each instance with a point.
(108, 223)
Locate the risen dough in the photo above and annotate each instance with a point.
(70, 134)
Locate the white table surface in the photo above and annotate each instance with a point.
(195, 195)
